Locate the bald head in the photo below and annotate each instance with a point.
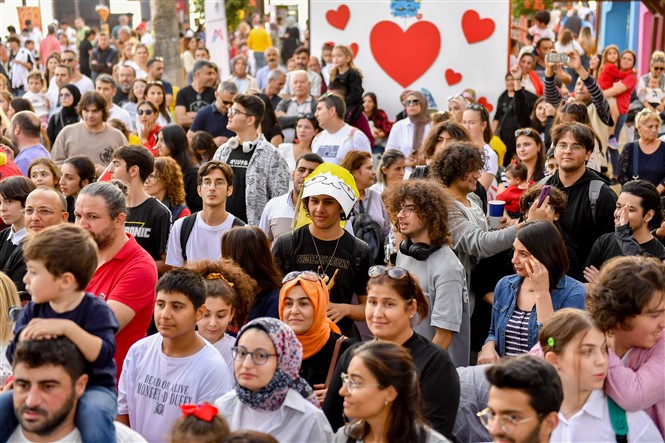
(45, 207)
(25, 129)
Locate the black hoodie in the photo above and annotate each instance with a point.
(578, 221)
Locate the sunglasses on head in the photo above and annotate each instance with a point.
(476, 107)
(523, 131)
(395, 273)
(305, 275)
(309, 116)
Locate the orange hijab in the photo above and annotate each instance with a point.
(313, 340)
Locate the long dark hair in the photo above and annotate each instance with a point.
(543, 240)
(176, 140)
(269, 117)
(392, 365)
(249, 247)
(204, 147)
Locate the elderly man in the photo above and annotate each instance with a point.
(301, 56)
(25, 132)
(272, 60)
(127, 275)
(213, 119)
(276, 81)
(302, 103)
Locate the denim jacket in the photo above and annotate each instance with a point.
(568, 293)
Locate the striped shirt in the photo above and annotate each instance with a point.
(517, 332)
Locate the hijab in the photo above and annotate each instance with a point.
(69, 113)
(420, 121)
(289, 358)
(317, 336)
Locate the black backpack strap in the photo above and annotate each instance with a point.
(287, 251)
(185, 231)
(595, 186)
(357, 259)
(636, 154)
(237, 222)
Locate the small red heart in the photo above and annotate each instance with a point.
(338, 18)
(476, 29)
(483, 101)
(419, 16)
(354, 49)
(453, 77)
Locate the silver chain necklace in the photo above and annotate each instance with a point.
(319, 255)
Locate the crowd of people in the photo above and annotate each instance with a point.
(271, 257)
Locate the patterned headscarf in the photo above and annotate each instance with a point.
(289, 358)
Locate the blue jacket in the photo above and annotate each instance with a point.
(568, 293)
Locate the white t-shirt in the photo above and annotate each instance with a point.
(118, 113)
(224, 346)
(153, 385)
(205, 241)
(123, 434)
(333, 147)
(38, 101)
(85, 84)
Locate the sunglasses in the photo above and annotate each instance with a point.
(145, 111)
(68, 60)
(227, 103)
(476, 107)
(658, 68)
(305, 275)
(453, 97)
(309, 116)
(395, 273)
(523, 131)
(412, 102)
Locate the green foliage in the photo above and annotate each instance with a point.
(526, 8)
(233, 8)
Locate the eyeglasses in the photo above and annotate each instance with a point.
(145, 111)
(523, 131)
(213, 184)
(507, 423)
(13, 313)
(303, 115)
(412, 102)
(259, 356)
(395, 273)
(42, 212)
(234, 111)
(305, 275)
(151, 178)
(407, 210)
(352, 385)
(65, 95)
(573, 147)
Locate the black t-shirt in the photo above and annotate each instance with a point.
(439, 385)
(192, 100)
(120, 98)
(150, 223)
(330, 257)
(85, 49)
(607, 247)
(236, 203)
(315, 368)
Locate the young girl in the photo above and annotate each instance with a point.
(199, 424)
(577, 348)
(516, 178)
(44, 172)
(37, 96)
(230, 292)
(345, 72)
(610, 74)
(628, 303)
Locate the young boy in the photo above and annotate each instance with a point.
(13, 193)
(61, 261)
(37, 96)
(628, 303)
(176, 366)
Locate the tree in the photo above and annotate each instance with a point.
(165, 24)
(233, 8)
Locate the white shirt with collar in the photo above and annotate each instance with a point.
(16, 237)
(296, 420)
(592, 423)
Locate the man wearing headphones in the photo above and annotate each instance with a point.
(420, 210)
(260, 171)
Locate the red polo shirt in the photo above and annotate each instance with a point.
(129, 278)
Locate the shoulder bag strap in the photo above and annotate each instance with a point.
(636, 154)
(333, 361)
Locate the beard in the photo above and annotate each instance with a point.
(51, 421)
(533, 437)
(104, 238)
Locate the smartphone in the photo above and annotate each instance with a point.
(544, 193)
(556, 57)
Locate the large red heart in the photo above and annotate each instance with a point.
(483, 101)
(354, 49)
(453, 77)
(476, 29)
(405, 56)
(338, 18)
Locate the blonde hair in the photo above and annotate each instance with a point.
(347, 52)
(645, 115)
(657, 56)
(8, 298)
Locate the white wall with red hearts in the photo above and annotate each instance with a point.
(443, 45)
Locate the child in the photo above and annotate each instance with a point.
(200, 424)
(229, 295)
(37, 96)
(175, 366)
(516, 178)
(327, 61)
(13, 193)
(653, 97)
(628, 303)
(577, 348)
(609, 75)
(60, 307)
(540, 28)
(346, 73)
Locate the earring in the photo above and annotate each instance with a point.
(385, 403)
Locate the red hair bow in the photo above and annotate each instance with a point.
(205, 412)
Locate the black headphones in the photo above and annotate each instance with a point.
(419, 251)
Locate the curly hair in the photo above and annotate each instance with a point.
(171, 175)
(456, 162)
(455, 130)
(624, 289)
(431, 205)
(235, 287)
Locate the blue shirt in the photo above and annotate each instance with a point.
(568, 293)
(210, 120)
(28, 155)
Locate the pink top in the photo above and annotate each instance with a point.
(640, 384)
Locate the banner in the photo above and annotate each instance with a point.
(217, 40)
(32, 13)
